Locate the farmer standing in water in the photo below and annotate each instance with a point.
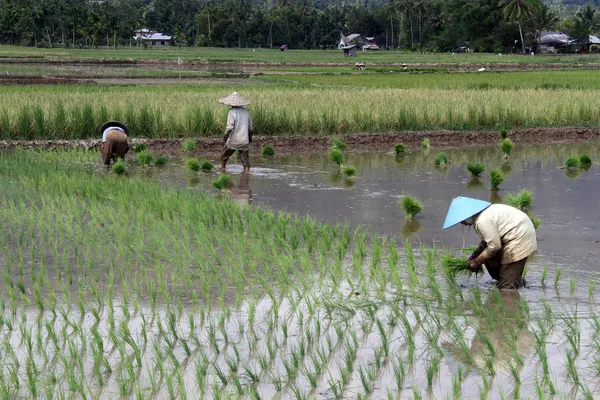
(238, 134)
(114, 141)
(507, 238)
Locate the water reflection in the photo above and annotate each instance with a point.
(495, 197)
(410, 228)
(241, 194)
(475, 183)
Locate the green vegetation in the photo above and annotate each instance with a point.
(206, 166)
(221, 182)
(426, 143)
(453, 266)
(193, 164)
(412, 207)
(161, 160)
(585, 160)
(138, 148)
(336, 156)
(189, 145)
(119, 167)
(522, 200)
(475, 168)
(145, 158)
(267, 151)
(349, 171)
(337, 143)
(496, 179)
(503, 133)
(441, 159)
(506, 146)
(571, 163)
(400, 149)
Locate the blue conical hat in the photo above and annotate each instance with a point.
(462, 208)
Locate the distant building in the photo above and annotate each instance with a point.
(371, 44)
(350, 51)
(152, 38)
(551, 42)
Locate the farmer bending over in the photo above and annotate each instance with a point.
(114, 141)
(507, 238)
(238, 135)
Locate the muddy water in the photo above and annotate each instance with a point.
(566, 202)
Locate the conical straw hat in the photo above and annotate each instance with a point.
(462, 208)
(234, 100)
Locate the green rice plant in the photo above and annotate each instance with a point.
(441, 159)
(475, 168)
(336, 156)
(522, 200)
(400, 149)
(426, 143)
(206, 166)
(119, 167)
(571, 163)
(412, 207)
(585, 160)
(506, 146)
(267, 151)
(349, 171)
(161, 160)
(453, 266)
(337, 143)
(221, 182)
(189, 145)
(557, 278)
(138, 148)
(145, 158)
(431, 369)
(496, 179)
(193, 164)
(534, 220)
(503, 133)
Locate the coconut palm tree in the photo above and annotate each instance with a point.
(542, 18)
(516, 11)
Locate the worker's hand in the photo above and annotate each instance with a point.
(475, 266)
(469, 259)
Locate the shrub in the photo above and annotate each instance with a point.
(145, 157)
(267, 151)
(336, 156)
(571, 163)
(522, 200)
(193, 164)
(400, 149)
(584, 159)
(119, 167)
(426, 143)
(138, 148)
(411, 206)
(441, 159)
(350, 171)
(162, 160)
(207, 166)
(189, 145)
(221, 182)
(337, 143)
(476, 169)
(507, 146)
(496, 178)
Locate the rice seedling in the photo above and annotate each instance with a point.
(161, 160)
(454, 265)
(336, 156)
(557, 277)
(506, 146)
(145, 158)
(503, 133)
(119, 167)
(571, 163)
(441, 159)
(206, 166)
(400, 149)
(193, 164)
(140, 147)
(189, 145)
(496, 179)
(412, 207)
(338, 144)
(475, 168)
(585, 160)
(522, 200)
(350, 171)
(267, 151)
(426, 143)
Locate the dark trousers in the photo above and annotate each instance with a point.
(509, 276)
(244, 156)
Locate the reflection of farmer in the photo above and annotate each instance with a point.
(507, 238)
(239, 130)
(242, 193)
(114, 141)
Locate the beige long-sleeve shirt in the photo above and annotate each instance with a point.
(239, 127)
(507, 229)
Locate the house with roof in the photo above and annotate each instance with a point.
(152, 38)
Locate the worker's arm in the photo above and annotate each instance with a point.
(477, 251)
(489, 234)
(230, 125)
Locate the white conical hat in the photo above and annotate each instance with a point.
(234, 100)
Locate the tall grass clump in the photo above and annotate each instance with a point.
(412, 207)
(221, 182)
(506, 146)
(400, 149)
(441, 159)
(336, 156)
(145, 158)
(522, 200)
(267, 151)
(585, 160)
(571, 163)
(475, 168)
(496, 179)
(189, 145)
(193, 164)
(119, 167)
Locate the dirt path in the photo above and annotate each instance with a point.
(357, 142)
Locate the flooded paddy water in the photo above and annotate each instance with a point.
(119, 288)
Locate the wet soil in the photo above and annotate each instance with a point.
(359, 142)
(40, 80)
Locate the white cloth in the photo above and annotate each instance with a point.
(110, 128)
(507, 229)
(239, 126)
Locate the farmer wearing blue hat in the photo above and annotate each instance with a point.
(507, 238)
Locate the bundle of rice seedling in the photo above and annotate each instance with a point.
(193, 164)
(400, 149)
(119, 167)
(522, 200)
(475, 168)
(138, 148)
(162, 160)
(585, 160)
(503, 133)
(454, 265)
(337, 143)
(441, 159)
(145, 157)
(426, 143)
(189, 145)
(496, 178)
(507, 146)
(572, 163)
(221, 182)
(350, 171)
(206, 166)
(336, 156)
(411, 206)
(267, 151)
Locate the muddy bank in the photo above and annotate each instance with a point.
(40, 80)
(357, 142)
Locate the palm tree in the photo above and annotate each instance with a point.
(516, 10)
(542, 18)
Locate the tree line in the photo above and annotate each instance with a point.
(430, 25)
